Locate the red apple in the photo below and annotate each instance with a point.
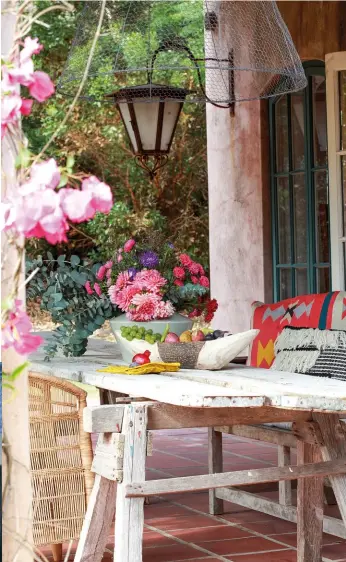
(198, 336)
(172, 338)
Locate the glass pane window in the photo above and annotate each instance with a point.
(300, 208)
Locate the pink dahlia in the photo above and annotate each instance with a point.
(124, 298)
(101, 272)
(150, 280)
(97, 289)
(122, 280)
(88, 288)
(112, 293)
(129, 245)
(144, 308)
(179, 272)
(204, 281)
(185, 260)
(164, 309)
(194, 268)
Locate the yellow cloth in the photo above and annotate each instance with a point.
(146, 369)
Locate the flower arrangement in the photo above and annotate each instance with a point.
(148, 281)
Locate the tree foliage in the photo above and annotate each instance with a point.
(176, 202)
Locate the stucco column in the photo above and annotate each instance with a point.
(236, 230)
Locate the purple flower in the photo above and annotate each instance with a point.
(132, 272)
(149, 259)
(170, 245)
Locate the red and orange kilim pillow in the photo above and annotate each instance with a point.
(324, 311)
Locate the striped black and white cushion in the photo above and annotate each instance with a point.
(330, 363)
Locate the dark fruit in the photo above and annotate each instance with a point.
(209, 337)
(218, 334)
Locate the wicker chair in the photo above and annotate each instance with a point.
(61, 457)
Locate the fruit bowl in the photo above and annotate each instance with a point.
(212, 354)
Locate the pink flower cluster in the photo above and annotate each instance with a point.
(39, 84)
(104, 271)
(141, 296)
(16, 332)
(189, 267)
(38, 210)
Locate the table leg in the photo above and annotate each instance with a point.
(97, 522)
(215, 465)
(334, 447)
(309, 508)
(130, 511)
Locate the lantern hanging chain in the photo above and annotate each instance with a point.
(180, 47)
(81, 85)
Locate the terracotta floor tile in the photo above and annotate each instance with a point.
(243, 546)
(201, 535)
(163, 510)
(291, 539)
(281, 556)
(161, 460)
(153, 539)
(170, 553)
(192, 521)
(271, 527)
(335, 551)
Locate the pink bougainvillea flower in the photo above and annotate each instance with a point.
(101, 272)
(194, 280)
(185, 260)
(97, 289)
(45, 175)
(26, 106)
(178, 283)
(101, 195)
(31, 47)
(179, 272)
(76, 204)
(41, 86)
(204, 281)
(164, 309)
(88, 288)
(150, 280)
(16, 332)
(22, 74)
(10, 111)
(129, 245)
(194, 268)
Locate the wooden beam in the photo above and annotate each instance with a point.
(103, 419)
(238, 478)
(309, 432)
(285, 488)
(309, 507)
(334, 437)
(215, 465)
(273, 435)
(97, 521)
(331, 525)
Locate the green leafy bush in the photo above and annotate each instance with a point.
(59, 284)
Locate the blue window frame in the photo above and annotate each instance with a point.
(299, 188)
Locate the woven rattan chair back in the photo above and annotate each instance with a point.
(61, 456)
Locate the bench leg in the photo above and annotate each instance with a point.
(285, 486)
(309, 508)
(215, 465)
(334, 447)
(129, 521)
(97, 522)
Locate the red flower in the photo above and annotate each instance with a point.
(178, 283)
(185, 260)
(204, 281)
(179, 272)
(194, 280)
(194, 268)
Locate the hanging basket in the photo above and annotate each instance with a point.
(214, 51)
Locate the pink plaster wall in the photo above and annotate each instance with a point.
(238, 251)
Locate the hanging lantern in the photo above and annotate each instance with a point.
(152, 56)
(150, 126)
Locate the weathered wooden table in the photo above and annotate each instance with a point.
(237, 395)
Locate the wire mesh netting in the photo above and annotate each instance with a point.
(218, 51)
